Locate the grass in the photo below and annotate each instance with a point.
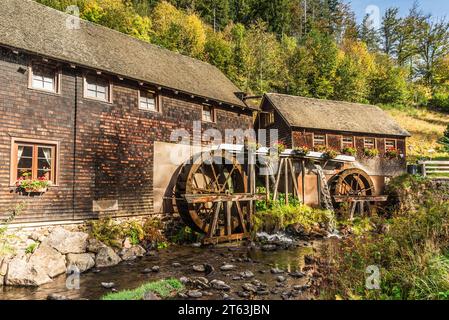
(163, 288)
(426, 128)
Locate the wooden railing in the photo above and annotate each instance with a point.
(434, 168)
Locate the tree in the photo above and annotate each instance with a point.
(369, 35)
(388, 82)
(261, 58)
(390, 31)
(444, 141)
(313, 66)
(354, 68)
(432, 45)
(178, 31)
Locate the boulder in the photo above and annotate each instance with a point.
(106, 257)
(21, 273)
(82, 261)
(227, 267)
(49, 260)
(150, 296)
(66, 241)
(3, 269)
(219, 285)
(132, 253)
(94, 245)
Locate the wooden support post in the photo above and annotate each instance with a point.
(267, 187)
(303, 178)
(278, 178)
(214, 221)
(228, 217)
(294, 178)
(286, 175)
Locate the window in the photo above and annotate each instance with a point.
(267, 119)
(319, 140)
(44, 78)
(348, 142)
(390, 144)
(31, 160)
(208, 114)
(369, 143)
(148, 101)
(97, 88)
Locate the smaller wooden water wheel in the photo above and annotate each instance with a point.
(210, 193)
(355, 188)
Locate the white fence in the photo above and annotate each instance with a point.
(434, 168)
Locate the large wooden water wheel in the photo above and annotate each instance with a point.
(355, 189)
(211, 192)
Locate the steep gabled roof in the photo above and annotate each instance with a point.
(334, 115)
(35, 28)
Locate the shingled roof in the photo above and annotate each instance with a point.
(334, 115)
(35, 28)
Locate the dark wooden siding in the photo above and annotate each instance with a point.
(112, 156)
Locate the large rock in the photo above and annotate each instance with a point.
(66, 241)
(82, 261)
(132, 253)
(106, 257)
(95, 245)
(21, 273)
(49, 260)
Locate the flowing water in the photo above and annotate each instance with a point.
(326, 200)
(128, 275)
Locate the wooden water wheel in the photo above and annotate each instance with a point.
(355, 188)
(211, 193)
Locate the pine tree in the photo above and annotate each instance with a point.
(444, 141)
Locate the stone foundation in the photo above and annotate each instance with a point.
(59, 249)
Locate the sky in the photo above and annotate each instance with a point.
(438, 8)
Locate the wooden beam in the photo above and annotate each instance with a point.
(202, 198)
(226, 238)
(278, 178)
(340, 199)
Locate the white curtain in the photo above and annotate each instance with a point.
(47, 154)
(20, 153)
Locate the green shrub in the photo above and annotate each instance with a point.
(186, 235)
(31, 248)
(412, 257)
(107, 231)
(349, 151)
(134, 231)
(279, 217)
(152, 231)
(370, 153)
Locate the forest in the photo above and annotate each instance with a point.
(311, 48)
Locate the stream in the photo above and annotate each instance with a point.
(129, 275)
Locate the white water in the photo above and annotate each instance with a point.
(326, 201)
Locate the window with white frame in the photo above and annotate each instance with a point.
(43, 78)
(319, 140)
(390, 144)
(208, 113)
(148, 101)
(348, 142)
(369, 143)
(96, 87)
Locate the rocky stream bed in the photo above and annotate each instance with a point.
(234, 271)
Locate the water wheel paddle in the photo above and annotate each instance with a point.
(354, 184)
(211, 174)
